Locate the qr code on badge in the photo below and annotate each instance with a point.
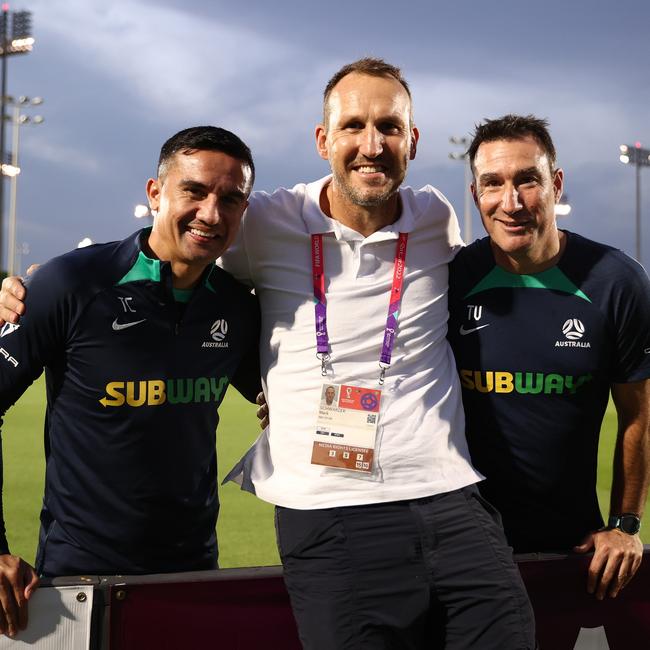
(372, 418)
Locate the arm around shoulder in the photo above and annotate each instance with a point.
(12, 296)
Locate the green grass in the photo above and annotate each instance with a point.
(245, 530)
(246, 534)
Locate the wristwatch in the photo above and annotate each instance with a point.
(628, 522)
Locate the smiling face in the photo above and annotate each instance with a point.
(367, 139)
(199, 201)
(516, 191)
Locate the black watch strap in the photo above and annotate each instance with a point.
(628, 522)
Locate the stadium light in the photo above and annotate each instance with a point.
(17, 120)
(563, 208)
(17, 40)
(10, 170)
(467, 211)
(639, 157)
(141, 211)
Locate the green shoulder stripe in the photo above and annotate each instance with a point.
(182, 295)
(144, 269)
(207, 283)
(550, 279)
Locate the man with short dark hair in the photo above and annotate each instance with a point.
(544, 323)
(139, 340)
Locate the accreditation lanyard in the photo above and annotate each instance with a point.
(320, 303)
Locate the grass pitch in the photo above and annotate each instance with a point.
(245, 530)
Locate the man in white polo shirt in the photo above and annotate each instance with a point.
(384, 538)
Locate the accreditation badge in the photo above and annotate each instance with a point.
(346, 428)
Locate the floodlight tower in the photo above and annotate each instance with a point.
(12, 170)
(640, 157)
(458, 155)
(21, 42)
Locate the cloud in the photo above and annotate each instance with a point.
(168, 60)
(446, 107)
(48, 149)
(120, 77)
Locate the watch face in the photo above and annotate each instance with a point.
(629, 524)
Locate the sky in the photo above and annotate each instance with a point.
(118, 78)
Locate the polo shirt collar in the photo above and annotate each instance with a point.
(317, 222)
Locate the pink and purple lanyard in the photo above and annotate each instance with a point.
(320, 306)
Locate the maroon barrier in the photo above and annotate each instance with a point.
(558, 592)
(244, 609)
(234, 609)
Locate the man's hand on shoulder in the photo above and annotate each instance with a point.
(18, 580)
(617, 557)
(12, 295)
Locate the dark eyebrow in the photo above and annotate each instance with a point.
(237, 194)
(491, 176)
(531, 171)
(488, 176)
(351, 119)
(189, 184)
(196, 186)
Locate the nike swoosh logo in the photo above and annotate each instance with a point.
(122, 326)
(464, 332)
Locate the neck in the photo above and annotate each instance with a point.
(184, 276)
(531, 261)
(364, 219)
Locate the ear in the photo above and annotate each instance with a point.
(153, 193)
(472, 189)
(415, 136)
(321, 142)
(558, 184)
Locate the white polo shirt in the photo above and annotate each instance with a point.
(422, 449)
